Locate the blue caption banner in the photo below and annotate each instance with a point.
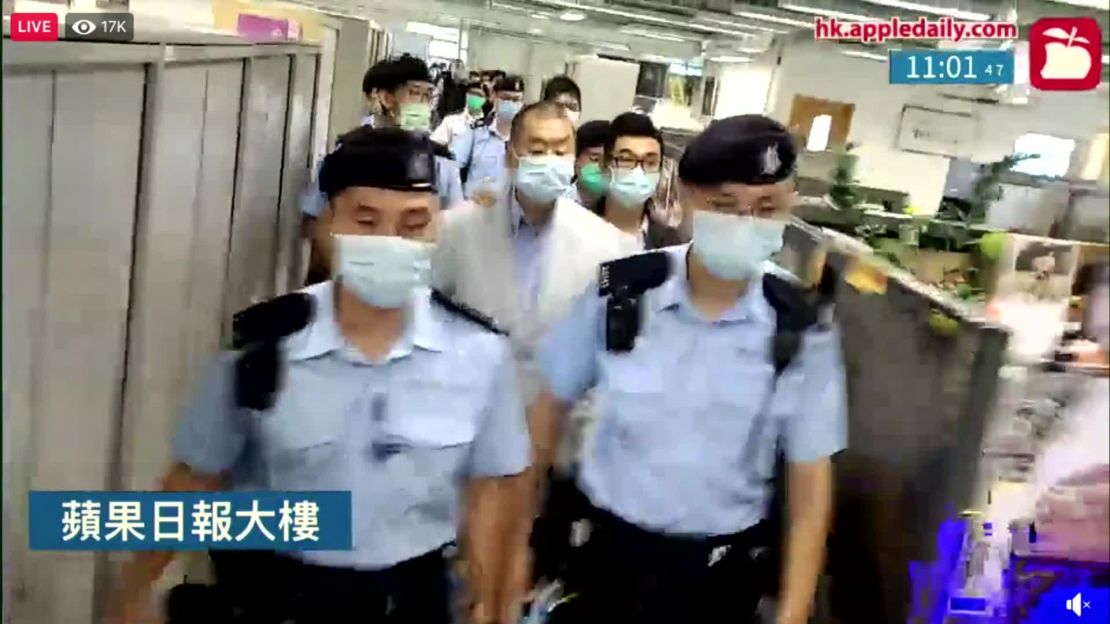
(984, 67)
(190, 520)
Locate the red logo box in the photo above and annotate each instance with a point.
(34, 27)
(1065, 54)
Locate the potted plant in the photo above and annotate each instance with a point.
(843, 194)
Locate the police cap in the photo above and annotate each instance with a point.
(747, 149)
(509, 83)
(387, 158)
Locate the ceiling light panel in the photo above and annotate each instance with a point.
(932, 9)
(774, 19)
(822, 12)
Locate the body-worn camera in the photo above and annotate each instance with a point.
(624, 282)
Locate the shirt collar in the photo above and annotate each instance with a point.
(423, 329)
(516, 216)
(675, 293)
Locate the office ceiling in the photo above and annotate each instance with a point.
(683, 29)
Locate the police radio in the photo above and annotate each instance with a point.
(624, 282)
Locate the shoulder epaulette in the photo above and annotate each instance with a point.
(272, 320)
(466, 312)
(637, 273)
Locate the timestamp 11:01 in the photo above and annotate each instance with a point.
(986, 67)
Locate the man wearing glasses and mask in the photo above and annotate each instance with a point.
(696, 401)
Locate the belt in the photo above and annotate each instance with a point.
(268, 587)
(609, 526)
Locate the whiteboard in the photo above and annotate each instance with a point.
(929, 131)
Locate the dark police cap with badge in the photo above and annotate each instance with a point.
(509, 83)
(387, 158)
(747, 149)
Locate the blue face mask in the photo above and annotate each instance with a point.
(733, 247)
(543, 179)
(383, 271)
(632, 187)
(507, 109)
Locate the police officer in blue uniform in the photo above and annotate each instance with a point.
(399, 94)
(704, 363)
(481, 152)
(371, 384)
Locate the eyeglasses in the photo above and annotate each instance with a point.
(570, 105)
(650, 163)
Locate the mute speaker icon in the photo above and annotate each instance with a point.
(1075, 605)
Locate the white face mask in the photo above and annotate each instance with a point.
(733, 247)
(574, 116)
(632, 187)
(543, 179)
(383, 271)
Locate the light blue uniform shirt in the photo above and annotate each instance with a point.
(400, 434)
(448, 185)
(483, 150)
(529, 249)
(687, 421)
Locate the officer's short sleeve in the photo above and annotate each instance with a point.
(313, 201)
(212, 433)
(502, 446)
(568, 353)
(820, 427)
(448, 183)
(462, 146)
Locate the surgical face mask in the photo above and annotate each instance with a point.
(574, 116)
(593, 179)
(543, 179)
(383, 271)
(507, 109)
(474, 103)
(733, 247)
(416, 117)
(632, 187)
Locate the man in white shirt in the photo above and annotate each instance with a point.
(456, 123)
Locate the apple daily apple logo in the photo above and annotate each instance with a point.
(1065, 54)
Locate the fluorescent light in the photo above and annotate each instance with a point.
(1091, 4)
(774, 19)
(933, 9)
(865, 55)
(640, 32)
(619, 47)
(540, 16)
(855, 17)
(778, 31)
(572, 16)
(730, 59)
(576, 9)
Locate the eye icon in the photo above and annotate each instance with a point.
(84, 27)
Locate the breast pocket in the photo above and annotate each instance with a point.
(747, 415)
(428, 415)
(633, 406)
(302, 446)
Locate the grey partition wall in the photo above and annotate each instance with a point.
(918, 403)
(149, 191)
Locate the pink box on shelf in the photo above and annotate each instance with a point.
(260, 28)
